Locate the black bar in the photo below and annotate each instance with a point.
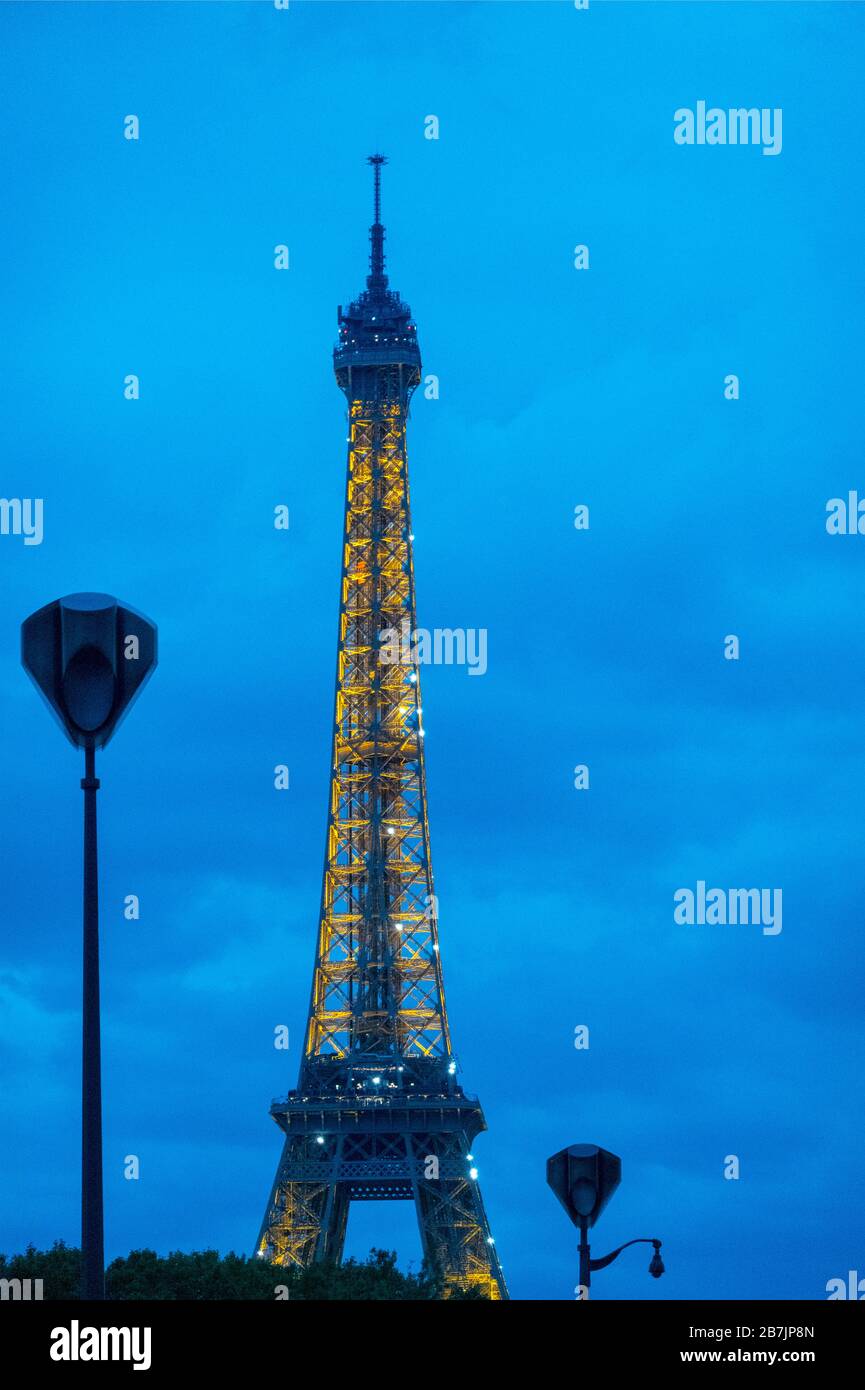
(206, 1339)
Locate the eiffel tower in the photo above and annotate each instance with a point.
(378, 1111)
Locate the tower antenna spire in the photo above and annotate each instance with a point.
(377, 278)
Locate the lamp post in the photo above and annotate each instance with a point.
(89, 657)
(584, 1178)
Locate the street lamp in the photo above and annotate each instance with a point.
(89, 657)
(584, 1178)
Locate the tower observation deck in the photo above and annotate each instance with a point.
(378, 1111)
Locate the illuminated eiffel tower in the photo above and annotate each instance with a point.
(378, 1111)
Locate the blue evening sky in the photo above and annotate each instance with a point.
(558, 387)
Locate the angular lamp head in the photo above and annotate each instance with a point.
(89, 656)
(584, 1178)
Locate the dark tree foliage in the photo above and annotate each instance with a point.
(204, 1274)
(59, 1269)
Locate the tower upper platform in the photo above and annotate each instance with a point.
(376, 330)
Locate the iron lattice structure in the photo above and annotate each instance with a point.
(378, 1112)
